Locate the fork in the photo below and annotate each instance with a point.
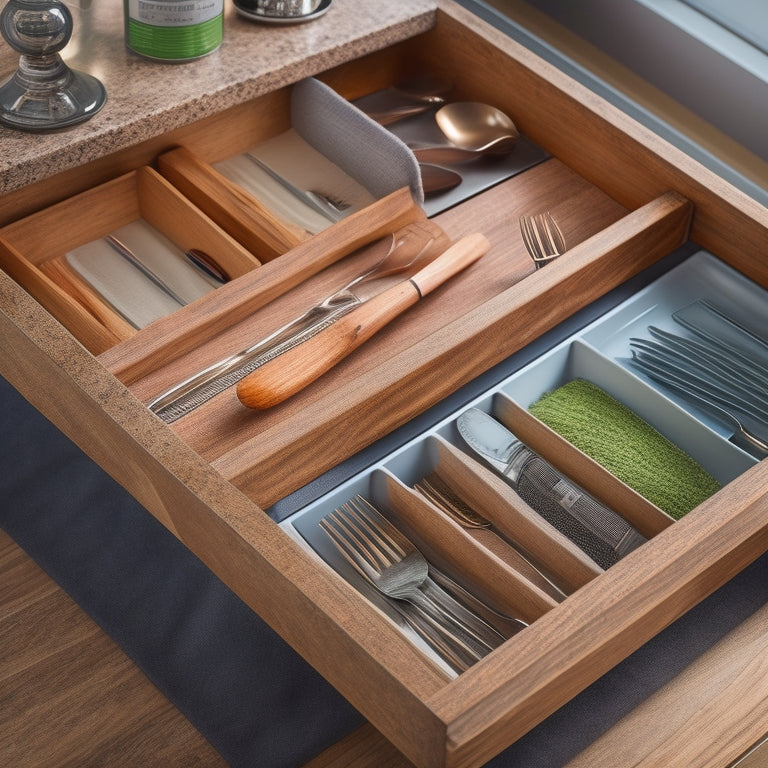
(444, 498)
(331, 208)
(431, 631)
(392, 563)
(543, 238)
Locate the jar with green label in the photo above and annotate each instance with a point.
(174, 30)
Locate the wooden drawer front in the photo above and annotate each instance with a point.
(628, 200)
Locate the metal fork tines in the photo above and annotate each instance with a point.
(386, 558)
(543, 238)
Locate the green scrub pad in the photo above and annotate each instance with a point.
(628, 447)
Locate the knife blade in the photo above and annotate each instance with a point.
(597, 530)
(130, 257)
(311, 199)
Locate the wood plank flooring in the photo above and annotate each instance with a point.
(68, 695)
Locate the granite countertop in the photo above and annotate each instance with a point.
(146, 98)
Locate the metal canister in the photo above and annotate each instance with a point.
(174, 30)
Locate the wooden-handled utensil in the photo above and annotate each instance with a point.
(287, 374)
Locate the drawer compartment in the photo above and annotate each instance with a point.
(34, 250)
(625, 200)
(462, 473)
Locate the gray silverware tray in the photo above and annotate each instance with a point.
(594, 352)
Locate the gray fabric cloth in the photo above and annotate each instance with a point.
(361, 147)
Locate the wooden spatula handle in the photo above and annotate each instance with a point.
(287, 374)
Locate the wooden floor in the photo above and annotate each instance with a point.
(68, 695)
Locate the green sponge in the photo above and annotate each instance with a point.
(628, 447)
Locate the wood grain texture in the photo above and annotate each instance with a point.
(582, 638)
(235, 126)
(184, 336)
(713, 714)
(704, 717)
(240, 320)
(447, 546)
(309, 606)
(474, 322)
(495, 500)
(637, 89)
(33, 249)
(364, 748)
(625, 193)
(69, 281)
(646, 517)
(755, 757)
(68, 695)
(631, 164)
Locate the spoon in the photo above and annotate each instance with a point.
(435, 178)
(478, 127)
(472, 129)
(206, 264)
(404, 99)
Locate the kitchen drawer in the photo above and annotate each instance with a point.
(628, 200)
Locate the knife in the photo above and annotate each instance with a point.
(705, 377)
(284, 376)
(600, 532)
(131, 257)
(410, 247)
(316, 203)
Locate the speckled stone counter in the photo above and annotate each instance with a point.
(147, 98)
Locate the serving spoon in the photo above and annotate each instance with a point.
(435, 178)
(472, 129)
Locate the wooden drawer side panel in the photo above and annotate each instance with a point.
(573, 645)
(602, 144)
(308, 605)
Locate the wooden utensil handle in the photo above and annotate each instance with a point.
(287, 374)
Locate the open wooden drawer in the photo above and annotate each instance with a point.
(627, 199)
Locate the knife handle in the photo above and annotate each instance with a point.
(287, 374)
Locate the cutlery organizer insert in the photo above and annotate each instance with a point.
(390, 482)
(33, 250)
(624, 199)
